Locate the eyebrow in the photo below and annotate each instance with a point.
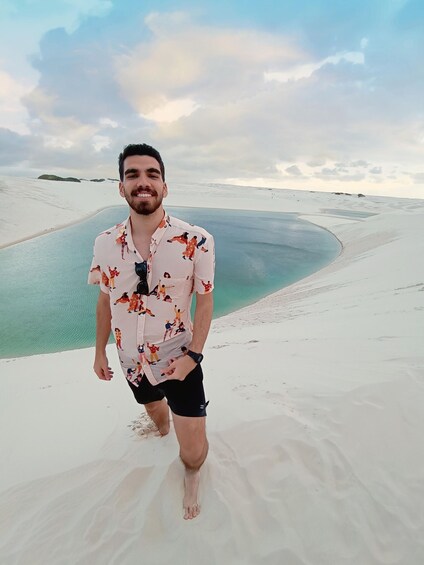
(135, 171)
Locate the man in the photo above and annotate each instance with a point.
(159, 348)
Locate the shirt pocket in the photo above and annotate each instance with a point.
(170, 289)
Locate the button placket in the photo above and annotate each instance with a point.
(141, 322)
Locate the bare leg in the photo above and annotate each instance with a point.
(191, 435)
(159, 413)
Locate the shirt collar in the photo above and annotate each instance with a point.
(161, 229)
(125, 235)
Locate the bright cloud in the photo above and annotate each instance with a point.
(13, 114)
(307, 70)
(190, 65)
(172, 110)
(107, 122)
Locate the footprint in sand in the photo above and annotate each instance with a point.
(143, 426)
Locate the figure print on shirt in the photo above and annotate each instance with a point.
(183, 238)
(168, 329)
(190, 249)
(201, 246)
(112, 274)
(207, 286)
(191, 244)
(143, 310)
(133, 305)
(180, 328)
(178, 314)
(105, 279)
(161, 290)
(154, 358)
(164, 222)
(96, 268)
(138, 370)
(122, 240)
(118, 337)
(123, 299)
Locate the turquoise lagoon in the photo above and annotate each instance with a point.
(47, 306)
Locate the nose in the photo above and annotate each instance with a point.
(143, 181)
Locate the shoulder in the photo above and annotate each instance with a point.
(176, 225)
(110, 235)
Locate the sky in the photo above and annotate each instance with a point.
(301, 94)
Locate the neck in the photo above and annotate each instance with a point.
(143, 226)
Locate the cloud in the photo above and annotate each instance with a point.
(418, 178)
(205, 65)
(15, 147)
(13, 114)
(316, 100)
(293, 170)
(308, 69)
(100, 142)
(331, 175)
(107, 122)
(171, 110)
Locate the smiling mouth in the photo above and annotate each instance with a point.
(142, 194)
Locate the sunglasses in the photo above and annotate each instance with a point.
(141, 271)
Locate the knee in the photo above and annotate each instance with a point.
(193, 457)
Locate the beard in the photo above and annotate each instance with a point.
(144, 207)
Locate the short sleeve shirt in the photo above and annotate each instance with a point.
(151, 330)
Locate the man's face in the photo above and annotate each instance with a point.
(143, 187)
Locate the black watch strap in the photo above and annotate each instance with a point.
(197, 357)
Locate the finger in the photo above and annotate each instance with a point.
(106, 374)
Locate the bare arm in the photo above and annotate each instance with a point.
(103, 327)
(181, 367)
(202, 321)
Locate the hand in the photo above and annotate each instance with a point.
(179, 368)
(101, 367)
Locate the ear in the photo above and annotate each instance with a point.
(121, 189)
(165, 190)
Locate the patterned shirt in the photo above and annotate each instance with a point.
(151, 330)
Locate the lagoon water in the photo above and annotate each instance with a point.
(46, 304)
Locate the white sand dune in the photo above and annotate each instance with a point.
(315, 421)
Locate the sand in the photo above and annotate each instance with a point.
(315, 418)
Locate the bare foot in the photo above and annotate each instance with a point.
(163, 430)
(163, 427)
(191, 485)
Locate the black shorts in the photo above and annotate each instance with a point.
(185, 398)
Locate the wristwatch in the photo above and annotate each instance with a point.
(197, 357)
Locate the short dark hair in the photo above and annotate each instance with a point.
(139, 149)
